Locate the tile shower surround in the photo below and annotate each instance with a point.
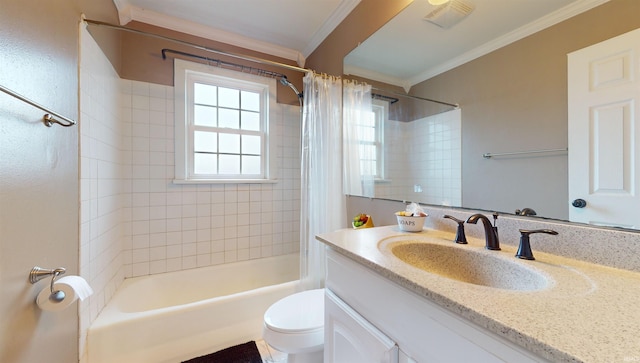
(425, 152)
(135, 221)
(174, 227)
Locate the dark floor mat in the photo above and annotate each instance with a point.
(242, 353)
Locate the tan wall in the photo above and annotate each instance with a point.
(363, 21)
(141, 57)
(516, 99)
(39, 171)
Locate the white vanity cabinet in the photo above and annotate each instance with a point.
(423, 331)
(350, 338)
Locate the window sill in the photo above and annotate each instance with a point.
(225, 181)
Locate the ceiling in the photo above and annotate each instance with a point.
(289, 29)
(408, 51)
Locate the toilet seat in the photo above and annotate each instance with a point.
(295, 324)
(297, 313)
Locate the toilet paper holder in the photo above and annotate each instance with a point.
(39, 273)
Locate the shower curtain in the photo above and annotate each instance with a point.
(358, 130)
(323, 207)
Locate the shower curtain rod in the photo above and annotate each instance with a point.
(220, 63)
(454, 105)
(207, 49)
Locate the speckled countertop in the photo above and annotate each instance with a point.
(585, 313)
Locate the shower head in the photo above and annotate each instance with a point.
(286, 82)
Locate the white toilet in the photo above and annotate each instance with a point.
(295, 325)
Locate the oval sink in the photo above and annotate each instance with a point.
(471, 266)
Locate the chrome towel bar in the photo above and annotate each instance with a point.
(490, 155)
(48, 118)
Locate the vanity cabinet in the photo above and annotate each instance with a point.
(351, 338)
(423, 331)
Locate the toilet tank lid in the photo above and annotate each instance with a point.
(300, 312)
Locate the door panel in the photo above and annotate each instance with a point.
(604, 92)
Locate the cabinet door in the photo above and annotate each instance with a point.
(350, 338)
(404, 358)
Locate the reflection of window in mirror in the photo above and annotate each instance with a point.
(370, 133)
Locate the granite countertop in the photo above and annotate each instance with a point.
(586, 313)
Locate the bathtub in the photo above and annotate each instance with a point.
(180, 315)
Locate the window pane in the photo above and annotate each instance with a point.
(250, 121)
(205, 141)
(229, 144)
(229, 164)
(367, 151)
(204, 94)
(205, 163)
(228, 97)
(205, 115)
(229, 118)
(367, 134)
(250, 164)
(369, 119)
(367, 167)
(251, 144)
(250, 101)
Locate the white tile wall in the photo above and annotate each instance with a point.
(429, 156)
(102, 189)
(176, 226)
(135, 221)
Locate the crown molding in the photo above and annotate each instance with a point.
(124, 11)
(556, 17)
(342, 11)
(169, 22)
(349, 69)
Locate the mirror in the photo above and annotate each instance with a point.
(512, 92)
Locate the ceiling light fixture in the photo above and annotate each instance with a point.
(438, 2)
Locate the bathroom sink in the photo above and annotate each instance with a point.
(473, 266)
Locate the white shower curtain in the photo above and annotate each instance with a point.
(323, 206)
(358, 120)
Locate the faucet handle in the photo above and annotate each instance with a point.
(461, 238)
(524, 250)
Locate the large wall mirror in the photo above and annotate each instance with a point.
(505, 64)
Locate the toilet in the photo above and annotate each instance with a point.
(295, 325)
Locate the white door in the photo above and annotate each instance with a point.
(350, 338)
(604, 132)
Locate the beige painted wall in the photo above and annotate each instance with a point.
(141, 57)
(39, 171)
(515, 99)
(363, 21)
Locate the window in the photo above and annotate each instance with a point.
(222, 124)
(370, 133)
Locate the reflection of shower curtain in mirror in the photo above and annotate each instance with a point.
(322, 204)
(360, 142)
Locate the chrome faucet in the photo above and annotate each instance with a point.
(490, 231)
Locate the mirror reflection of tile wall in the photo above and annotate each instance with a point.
(423, 163)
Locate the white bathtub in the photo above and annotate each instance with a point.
(180, 315)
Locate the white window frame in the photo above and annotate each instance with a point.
(185, 74)
(380, 111)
